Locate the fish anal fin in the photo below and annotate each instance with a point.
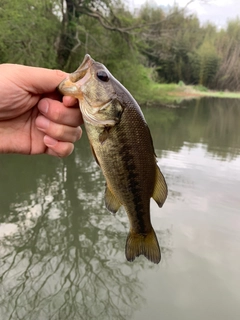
(111, 202)
(160, 189)
(145, 244)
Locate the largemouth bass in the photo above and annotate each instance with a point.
(122, 146)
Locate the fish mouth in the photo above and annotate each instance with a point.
(82, 69)
(71, 85)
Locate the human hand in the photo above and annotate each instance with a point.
(33, 119)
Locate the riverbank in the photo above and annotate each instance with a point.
(175, 93)
(200, 91)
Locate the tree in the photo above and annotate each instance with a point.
(227, 46)
(169, 39)
(109, 15)
(204, 62)
(28, 32)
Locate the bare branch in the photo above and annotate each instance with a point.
(104, 22)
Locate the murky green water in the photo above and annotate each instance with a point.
(62, 253)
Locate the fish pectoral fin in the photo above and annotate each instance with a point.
(94, 154)
(111, 202)
(145, 244)
(104, 135)
(160, 189)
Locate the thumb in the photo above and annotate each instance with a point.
(38, 80)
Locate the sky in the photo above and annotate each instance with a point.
(216, 11)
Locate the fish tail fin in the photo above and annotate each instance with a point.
(145, 244)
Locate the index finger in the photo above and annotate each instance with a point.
(57, 112)
(70, 102)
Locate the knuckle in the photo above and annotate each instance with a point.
(78, 134)
(61, 149)
(56, 115)
(66, 149)
(58, 131)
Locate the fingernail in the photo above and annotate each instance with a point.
(49, 142)
(42, 123)
(43, 105)
(79, 133)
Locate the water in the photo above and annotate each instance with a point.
(62, 253)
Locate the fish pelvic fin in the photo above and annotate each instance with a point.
(111, 202)
(145, 244)
(160, 189)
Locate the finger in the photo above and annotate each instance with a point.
(70, 101)
(57, 112)
(58, 148)
(58, 131)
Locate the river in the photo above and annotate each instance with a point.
(62, 253)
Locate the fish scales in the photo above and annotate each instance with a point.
(122, 146)
(125, 169)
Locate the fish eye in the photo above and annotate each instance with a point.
(102, 75)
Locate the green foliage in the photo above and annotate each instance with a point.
(204, 62)
(228, 49)
(170, 41)
(201, 88)
(28, 31)
(139, 49)
(116, 50)
(181, 49)
(181, 83)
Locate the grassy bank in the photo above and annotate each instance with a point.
(175, 93)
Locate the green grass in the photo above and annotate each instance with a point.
(175, 93)
(158, 93)
(221, 94)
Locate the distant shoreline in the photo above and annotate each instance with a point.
(170, 93)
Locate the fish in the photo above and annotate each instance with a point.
(122, 146)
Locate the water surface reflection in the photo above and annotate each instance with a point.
(64, 259)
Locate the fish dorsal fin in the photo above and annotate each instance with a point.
(111, 202)
(160, 189)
